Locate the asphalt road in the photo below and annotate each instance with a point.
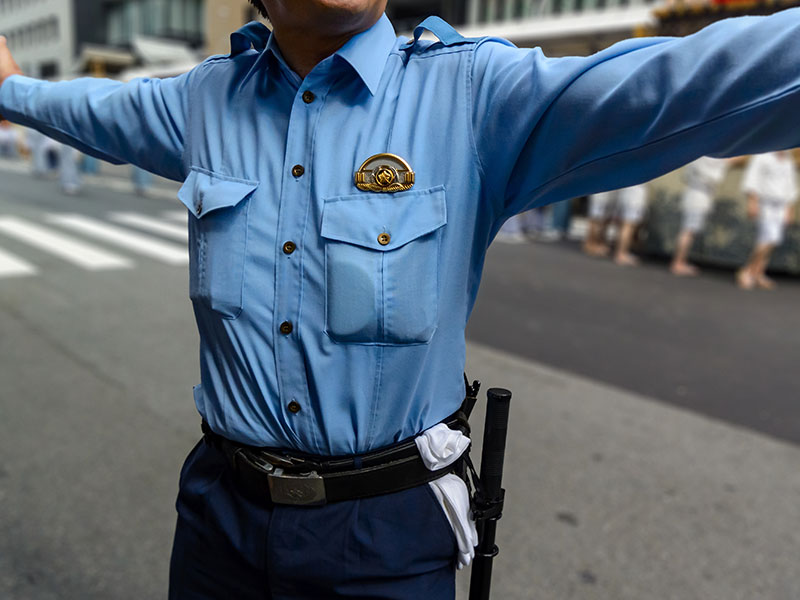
(96, 413)
(698, 343)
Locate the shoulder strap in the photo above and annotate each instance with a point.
(253, 34)
(441, 29)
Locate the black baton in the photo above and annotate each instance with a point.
(489, 502)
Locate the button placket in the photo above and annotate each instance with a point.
(295, 198)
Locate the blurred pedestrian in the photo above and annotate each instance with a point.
(89, 165)
(627, 206)
(595, 243)
(702, 178)
(770, 183)
(514, 230)
(42, 151)
(9, 140)
(69, 173)
(561, 215)
(141, 179)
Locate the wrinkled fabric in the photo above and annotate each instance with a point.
(440, 447)
(367, 338)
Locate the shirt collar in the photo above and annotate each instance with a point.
(365, 52)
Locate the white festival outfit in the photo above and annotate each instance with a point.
(773, 178)
(440, 447)
(702, 178)
(628, 203)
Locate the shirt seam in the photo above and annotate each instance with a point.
(441, 52)
(470, 121)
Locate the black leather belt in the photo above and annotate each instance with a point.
(279, 477)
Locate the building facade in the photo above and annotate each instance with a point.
(50, 37)
(222, 17)
(41, 34)
(559, 27)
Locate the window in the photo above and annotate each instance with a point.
(181, 19)
(48, 70)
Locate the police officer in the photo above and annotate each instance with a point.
(343, 186)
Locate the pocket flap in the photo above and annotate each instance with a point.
(382, 221)
(204, 192)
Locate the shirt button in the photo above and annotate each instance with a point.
(199, 207)
(294, 407)
(298, 170)
(384, 239)
(289, 247)
(308, 97)
(286, 328)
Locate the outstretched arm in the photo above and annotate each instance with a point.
(141, 122)
(643, 107)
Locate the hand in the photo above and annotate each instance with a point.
(8, 66)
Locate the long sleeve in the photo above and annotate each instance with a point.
(641, 108)
(142, 122)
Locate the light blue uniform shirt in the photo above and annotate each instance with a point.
(372, 345)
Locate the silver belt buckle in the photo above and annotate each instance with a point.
(306, 489)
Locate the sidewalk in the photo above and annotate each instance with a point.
(613, 496)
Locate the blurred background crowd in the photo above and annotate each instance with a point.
(739, 212)
(707, 214)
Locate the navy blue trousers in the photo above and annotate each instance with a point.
(230, 547)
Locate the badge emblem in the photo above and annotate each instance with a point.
(385, 173)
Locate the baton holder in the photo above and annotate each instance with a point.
(489, 497)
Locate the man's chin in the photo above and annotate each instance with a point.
(336, 15)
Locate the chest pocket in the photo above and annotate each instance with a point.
(382, 266)
(219, 206)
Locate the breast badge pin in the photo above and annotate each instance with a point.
(385, 173)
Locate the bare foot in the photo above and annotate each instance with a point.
(684, 270)
(596, 250)
(765, 283)
(745, 280)
(626, 259)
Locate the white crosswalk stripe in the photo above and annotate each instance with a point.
(12, 266)
(68, 248)
(137, 242)
(181, 216)
(152, 224)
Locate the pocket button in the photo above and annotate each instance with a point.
(384, 239)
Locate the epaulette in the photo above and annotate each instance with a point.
(441, 29)
(254, 34)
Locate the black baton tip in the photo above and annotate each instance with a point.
(499, 394)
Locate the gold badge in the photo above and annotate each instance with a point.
(385, 173)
